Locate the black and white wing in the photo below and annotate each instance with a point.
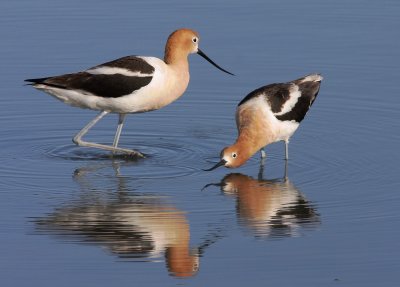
(289, 101)
(113, 79)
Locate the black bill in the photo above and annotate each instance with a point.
(212, 62)
(222, 162)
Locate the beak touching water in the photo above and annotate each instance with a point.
(212, 62)
(222, 162)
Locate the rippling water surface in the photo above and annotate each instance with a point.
(74, 216)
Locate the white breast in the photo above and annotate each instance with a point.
(166, 86)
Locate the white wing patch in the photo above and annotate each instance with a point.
(294, 95)
(104, 70)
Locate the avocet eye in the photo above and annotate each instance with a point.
(234, 155)
(194, 40)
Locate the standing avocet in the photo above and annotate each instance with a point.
(132, 84)
(270, 114)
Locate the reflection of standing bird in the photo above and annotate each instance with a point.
(269, 208)
(127, 223)
(267, 115)
(132, 84)
(130, 227)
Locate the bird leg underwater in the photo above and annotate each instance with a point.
(285, 176)
(261, 170)
(262, 163)
(114, 148)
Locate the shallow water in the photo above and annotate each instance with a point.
(76, 216)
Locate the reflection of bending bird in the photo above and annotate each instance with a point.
(269, 208)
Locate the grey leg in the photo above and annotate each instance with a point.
(261, 169)
(286, 170)
(78, 137)
(121, 120)
(286, 149)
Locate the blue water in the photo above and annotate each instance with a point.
(73, 216)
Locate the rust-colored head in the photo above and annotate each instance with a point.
(180, 44)
(233, 156)
(183, 42)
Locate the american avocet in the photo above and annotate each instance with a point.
(132, 84)
(269, 114)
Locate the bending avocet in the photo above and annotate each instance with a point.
(269, 114)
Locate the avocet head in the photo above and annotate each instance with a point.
(231, 157)
(183, 42)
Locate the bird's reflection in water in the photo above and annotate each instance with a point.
(269, 208)
(127, 223)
